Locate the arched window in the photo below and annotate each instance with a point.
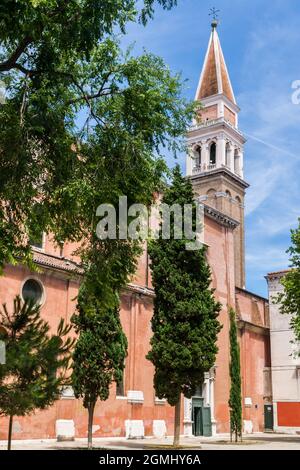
(212, 154)
(198, 154)
(211, 192)
(227, 155)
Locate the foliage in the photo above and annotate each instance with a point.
(235, 399)
(36, 362)
(289, 300)
(83, 123)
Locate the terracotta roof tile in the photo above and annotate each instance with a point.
(55, 262)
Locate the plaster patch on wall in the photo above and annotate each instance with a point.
(16, 427)
(65, 429)
(159, 429)
(248, 426)
(134, 429)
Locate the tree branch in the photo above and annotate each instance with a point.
(104, 92)
(11, 62)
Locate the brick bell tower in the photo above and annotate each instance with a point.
(215, 158)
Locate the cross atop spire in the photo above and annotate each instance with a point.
(215, 17)
(214, 79)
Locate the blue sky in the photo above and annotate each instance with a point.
(260, 41)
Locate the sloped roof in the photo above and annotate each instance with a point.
(214, 77)
(55, 262)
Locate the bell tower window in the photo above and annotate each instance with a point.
(212, 154)
(198, 152)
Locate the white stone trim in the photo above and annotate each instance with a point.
(67, 393)
(204, 67)
(160, 401)
(226, 69)
(187, 420)
(135, 396)
(218, 62)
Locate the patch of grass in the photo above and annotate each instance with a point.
(78, 448)
(233, 443)
(169, 447)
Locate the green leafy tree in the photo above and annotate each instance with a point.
(185, 322)
(235, 399)
(83, 122)
(36, 362)
(289, 300)
(99, 354)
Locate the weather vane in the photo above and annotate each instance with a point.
(215, 17)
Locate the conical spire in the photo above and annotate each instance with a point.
(214, 78)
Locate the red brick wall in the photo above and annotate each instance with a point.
(229, 115)
(209, 113)
(136, 313)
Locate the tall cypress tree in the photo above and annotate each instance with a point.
(235, 399)
(99, 354)
(185, 322)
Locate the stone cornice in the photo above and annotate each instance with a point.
(140, 290)
(221, 218)
(246, 325)
(223, 171)
(277, 275)
(250, 294)
(216, 98)
(69, 269)
(206, 128)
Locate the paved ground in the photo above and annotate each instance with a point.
(261, 441)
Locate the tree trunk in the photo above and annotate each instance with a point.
(10, 432)
(91, 409)
(177, 423)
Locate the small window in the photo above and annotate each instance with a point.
(37, 241)
(33, 290)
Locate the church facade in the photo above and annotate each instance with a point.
(215, 166)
